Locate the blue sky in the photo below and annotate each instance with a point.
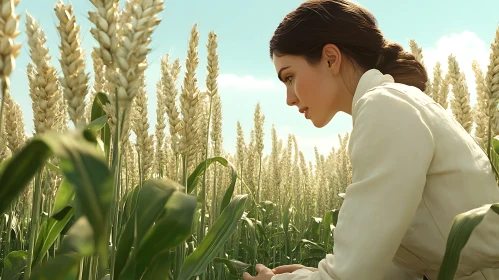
(247, 75)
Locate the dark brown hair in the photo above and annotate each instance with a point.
(354, 30)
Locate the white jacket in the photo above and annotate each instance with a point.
(414, 169)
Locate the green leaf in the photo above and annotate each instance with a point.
(64, 196)
(98, 106)
(193, 179)
(173, 227)
(86, 169)
(49, 231)
(235, 267)
(326, 228)
(462, 227)
(19, 171)
(336, 213)
(83, 166)
(98, 123)
(197, 262)
(230, 191)
(97, 116)
(495, 145)
(152, 198)
(79, 239)
(78, 243)
(161, 267)
(14, 264)
(54, 168)
(129, 206)
(62, 267)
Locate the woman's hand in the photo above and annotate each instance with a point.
(290, 268)
(264, 273)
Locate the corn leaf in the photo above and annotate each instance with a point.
(64, 196)
(462, 227)
(197, 262)
(235, 267)
(161, 267)
(86, 169)
(14, 264)
(151, 200)
(20, 169)
(62, 267)
(99, 120)
(78, 243)
(230, 191)
(326, 228)
(79, 239)
(49, 231)
(173, 227)
(193, 179)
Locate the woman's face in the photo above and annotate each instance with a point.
(315, 90)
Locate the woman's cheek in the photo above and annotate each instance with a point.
(300, 89)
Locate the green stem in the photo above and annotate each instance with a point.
(116, 168)
(489, 137)
(4, 93)
(9, 231)
(203, 206)
(35, 216)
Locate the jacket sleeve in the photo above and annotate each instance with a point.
(390, 150)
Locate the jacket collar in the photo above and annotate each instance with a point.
(370, 79)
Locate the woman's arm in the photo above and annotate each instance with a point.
(391, 149)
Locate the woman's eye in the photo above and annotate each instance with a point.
(288, 79)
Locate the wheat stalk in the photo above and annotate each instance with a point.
(100, 83)
(481, 110)
(4, 152)
(418, 53)
(45, 85)
(105, 31)
(437, 82)
(460, 103)
(99, 73)
(259, 120)
(9, 23)
(189, 97)
(75, 80)
(216, 132)
(61, 111)
(133, 47)
(160, 128)
(274, 162)
(14, 125)
(203, 126)
(140, 126)
(170, 93)
(492, 81)
(105, 20)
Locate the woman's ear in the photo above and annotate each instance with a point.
(332, 56)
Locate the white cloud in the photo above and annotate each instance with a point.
(466, 47)
(249, 83)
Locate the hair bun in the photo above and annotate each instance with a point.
(394, 60)
(389, 52)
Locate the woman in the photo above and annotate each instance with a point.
(414, 167)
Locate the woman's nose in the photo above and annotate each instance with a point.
(291, 98)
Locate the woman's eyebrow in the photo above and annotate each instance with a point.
(280, 71)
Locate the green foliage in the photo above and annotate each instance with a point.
(197, 261)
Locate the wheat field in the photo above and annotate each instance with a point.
(97, 193)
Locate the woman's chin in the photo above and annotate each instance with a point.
(319, 123)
